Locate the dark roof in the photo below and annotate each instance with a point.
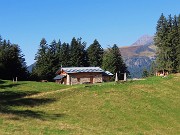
(107, 73)
(80, 69)
(58, 77)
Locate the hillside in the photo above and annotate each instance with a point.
(139, 55)
(137, 107)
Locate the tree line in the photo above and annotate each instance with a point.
(50, 57)
(12, 61)
(167, 40)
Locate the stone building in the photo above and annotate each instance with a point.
(81, 75)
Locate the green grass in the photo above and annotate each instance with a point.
(150, 106)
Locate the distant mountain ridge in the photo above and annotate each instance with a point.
(145, 39)
(144, 46)
(139, 55)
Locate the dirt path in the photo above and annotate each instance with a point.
(49, 92)
(177, 74)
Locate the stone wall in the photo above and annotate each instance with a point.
(81, 78)
(97, 78)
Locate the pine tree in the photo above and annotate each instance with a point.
(113, 62)
(78, 53)
(167, 41)
(168, 45)
(65, 53)
(52, 60)
(41, 68)
(12, 62)
(175, 40)
(58, 54)
(1, 56)
(95, 54)
(160, 42)
(178, 45)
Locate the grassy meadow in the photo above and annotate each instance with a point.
(143, 107)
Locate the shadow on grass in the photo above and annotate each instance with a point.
(1, 81)
(10, 101)
(8, 86)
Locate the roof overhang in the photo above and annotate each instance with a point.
(59, 77)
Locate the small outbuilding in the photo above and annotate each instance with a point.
(81, 75)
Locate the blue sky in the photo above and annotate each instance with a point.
(121, 22)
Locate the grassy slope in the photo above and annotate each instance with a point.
(149, 106)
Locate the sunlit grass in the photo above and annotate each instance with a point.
(148, 106)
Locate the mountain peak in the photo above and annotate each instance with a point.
(143, 40)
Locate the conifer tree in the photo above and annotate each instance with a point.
(178, 45)
(52, 60)
(41, 68)
(58, 54)
(160, 42)
(113, 62)
(168, 45)
(65, 53)
(175, 39)
(1, 56)
(95, 54)
(78, 53)
(12, 62)
(167, 41)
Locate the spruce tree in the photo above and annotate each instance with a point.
(78, 53)
(65, 53)
(58, 54)
(178, 45)
(160, 42)
(95, 54)
(12, 62)
(168, 45)
(167, 42)
(52, 60)
(175, 40)
(41, 68)
(1, 56)
(113, 62)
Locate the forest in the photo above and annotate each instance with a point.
(50, 57)
(167, 40)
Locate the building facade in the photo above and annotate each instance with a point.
(80, 75)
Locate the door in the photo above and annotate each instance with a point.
(91, 79)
